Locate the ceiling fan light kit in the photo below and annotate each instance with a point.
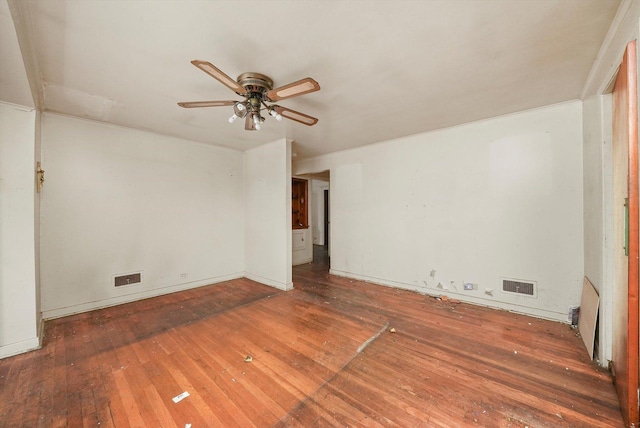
(258, 91)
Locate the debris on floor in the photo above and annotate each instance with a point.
(180, 397)
(393, 330)
(248, 359)
(446, 299)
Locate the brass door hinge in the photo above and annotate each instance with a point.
(39, 176)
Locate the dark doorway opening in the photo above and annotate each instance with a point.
(326, 218)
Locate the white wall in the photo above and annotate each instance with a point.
(594, 188)
(478, 202)
(36, 221)
(118, 201)
(267, 187)
(18, 282)
(598, 212)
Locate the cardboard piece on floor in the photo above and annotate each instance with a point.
(589, 304)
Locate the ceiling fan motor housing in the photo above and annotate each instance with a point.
(257, 85)
(255, 82)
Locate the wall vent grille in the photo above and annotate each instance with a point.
(129, 279)
(527, 288)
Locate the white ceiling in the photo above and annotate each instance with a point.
(14, 85)
(387, 68)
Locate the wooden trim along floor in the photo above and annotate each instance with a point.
(322, 354)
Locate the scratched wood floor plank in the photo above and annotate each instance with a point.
(447, 364)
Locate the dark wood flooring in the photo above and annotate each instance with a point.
(323, 354)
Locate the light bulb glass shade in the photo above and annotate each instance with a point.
(256, 118)
(274, 113)
(240, 109)
(258, 126)
(233, 118)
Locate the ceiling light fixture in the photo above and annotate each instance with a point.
(272, 111)
(256, 120)
(257, 89)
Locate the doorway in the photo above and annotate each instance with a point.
(321, 218)
(326, 218)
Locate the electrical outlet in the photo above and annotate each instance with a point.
(574, 315)
(184, 275)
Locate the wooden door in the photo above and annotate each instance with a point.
(625, 194)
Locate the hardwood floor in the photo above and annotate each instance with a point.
(322, 355)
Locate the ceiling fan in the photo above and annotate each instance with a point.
(257, 90)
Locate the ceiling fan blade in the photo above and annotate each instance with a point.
(294, 89)
(296, 115)
(192, 104)
(217, 74)
(248, 123)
